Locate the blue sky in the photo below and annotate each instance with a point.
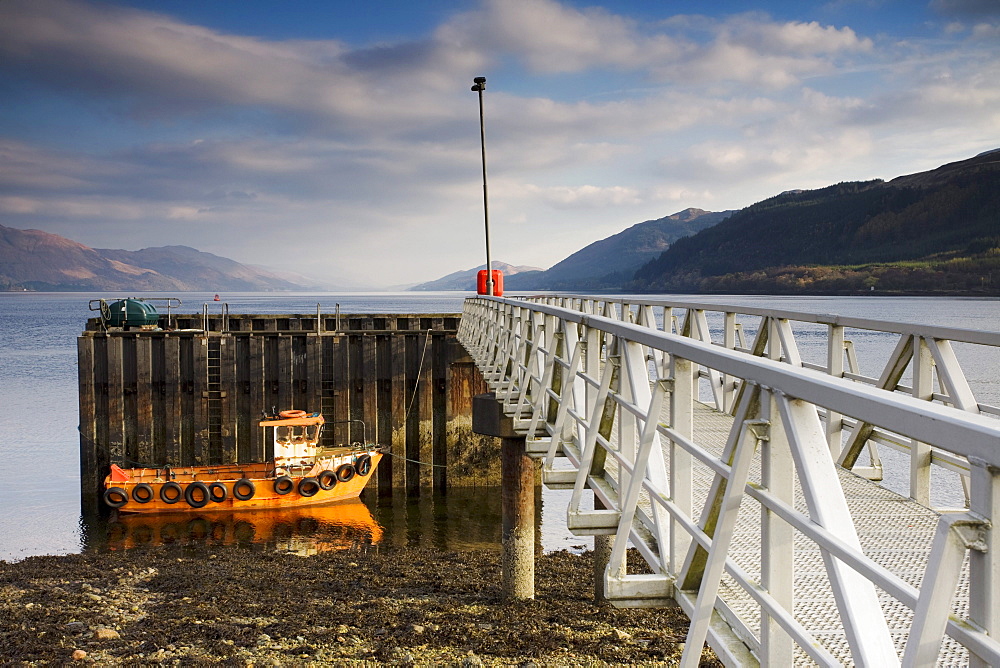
(341, 140)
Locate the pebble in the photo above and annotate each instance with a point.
(79, 655)
(621, 635)
(416, 628)
(401, 655)
(471, 660)
(106, 634)
(76, 627)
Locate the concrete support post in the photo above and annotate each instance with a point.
(517, 497)
(517, 501)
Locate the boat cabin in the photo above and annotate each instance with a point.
(296, 436)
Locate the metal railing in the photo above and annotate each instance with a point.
(608, 397)
(917, 359)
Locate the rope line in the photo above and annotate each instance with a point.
(420, 368)
(415, 461)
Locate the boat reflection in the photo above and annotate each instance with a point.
(304, 530)
(463, 519)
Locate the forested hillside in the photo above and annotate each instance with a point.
(937, 230)
(609, 263)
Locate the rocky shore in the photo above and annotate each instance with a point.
(366, 606)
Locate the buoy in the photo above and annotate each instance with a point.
(217, 298)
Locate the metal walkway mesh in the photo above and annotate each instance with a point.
(895, 531)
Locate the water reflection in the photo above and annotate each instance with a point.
(304, 531)
(459, 520)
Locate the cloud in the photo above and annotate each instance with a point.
(751, 48)
(554, 38)
(745, 48)
(972, 9)
(30, 169)
(586, 196)
(986, 31)
(371, 151)
(161, 67)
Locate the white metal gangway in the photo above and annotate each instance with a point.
(726, 465)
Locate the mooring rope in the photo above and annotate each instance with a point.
(415, 461)
(420, 368)
(406, 413)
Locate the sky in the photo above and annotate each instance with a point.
(341, 139)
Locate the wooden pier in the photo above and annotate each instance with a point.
(193, 392)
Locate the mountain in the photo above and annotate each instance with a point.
(466, 279)
(36, 260)
(603, 265)
(611, 262)
(941, 222)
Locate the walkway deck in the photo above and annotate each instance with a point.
(874, 508)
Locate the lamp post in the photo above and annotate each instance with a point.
(478, 86)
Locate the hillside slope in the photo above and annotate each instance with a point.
(36, 260)
(611, 262)
(465, 279)
(945, 213)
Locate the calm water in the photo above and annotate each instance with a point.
(39, 478)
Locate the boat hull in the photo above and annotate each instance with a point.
(220, 488)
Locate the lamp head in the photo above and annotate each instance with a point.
(479, 83)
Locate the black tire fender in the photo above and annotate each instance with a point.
(309, 487)
(175, 494)
(143, 493)
(244, 489)
(345, 472)
(217, 492)
(363, 465)
(115, 497)
(326, 479)
(192, 492)
(283, 485)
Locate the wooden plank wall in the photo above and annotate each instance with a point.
(145, 397)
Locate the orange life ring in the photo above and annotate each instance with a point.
(292, 414)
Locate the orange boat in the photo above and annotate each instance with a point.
(300, 474)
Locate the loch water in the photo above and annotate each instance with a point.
(39, 443)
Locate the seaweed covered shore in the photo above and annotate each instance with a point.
(239, 606)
